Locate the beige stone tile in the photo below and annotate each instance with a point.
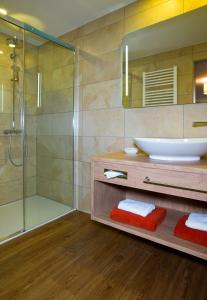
(84, 176)
(199, 55)
(31, 57)
(62, 57)
(30, 83)
(30, 104)
(101, 68)
(139, 6)
(44, 187)
(30, 186)
(90, 146)
(63, 78)
(8, 172)
(103, 123)
(55, 169)
(62, 192)
(71, 36)
(55, 146)
(200, 47)
(154, 122)
(164, 11)
(193, 113)
(5, 100)
(57, 101)
(11, 191)
(31, 144)
(62, 123)
(104, 21)
(30, 167)
(31, 125)
(185, 85)
(44, 124)
(104, 40)
(102, 95)
(5, 121)
(58, 79)
(84, 199)
(193, 4)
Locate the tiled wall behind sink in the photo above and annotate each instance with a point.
(55, 125)
(104, 126)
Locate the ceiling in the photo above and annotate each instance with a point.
(58, 17)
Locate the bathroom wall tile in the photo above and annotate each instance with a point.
(185, 85)
(44, 187)
(5, 121)
(84, 199)
(104, 40)
(102, 22)
(102, 95)
(101, 68)
(57, 101)
(90, 146)
(62, 192)
(11, 191)
(154, 122)
(55, 169)
(85, 174)
(30, 167)
(62, 124)
(193, 4)
(30, 104)
(31, 125)
(63, 78)
(8, 172)
(103, 123)
(200, 47)
(44, 125)
(164, 11)
(62, 57)
(30, 186)
(30, 83)
(141, 5)
(55, 146)
(193, 113)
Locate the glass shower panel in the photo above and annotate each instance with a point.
(48, 161)
(11, 130)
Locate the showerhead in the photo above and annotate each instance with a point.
(12, 42)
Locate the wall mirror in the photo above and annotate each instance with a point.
(166, 63)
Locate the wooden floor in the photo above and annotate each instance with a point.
(75, 258)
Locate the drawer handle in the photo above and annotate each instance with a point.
(147, 180)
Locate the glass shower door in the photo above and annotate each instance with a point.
(11, 130)
(48, 163)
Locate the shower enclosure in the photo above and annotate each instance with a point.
(36, 128)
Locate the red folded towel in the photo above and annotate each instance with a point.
(149, 222)
(194, 235)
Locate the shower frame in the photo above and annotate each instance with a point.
(51, 38)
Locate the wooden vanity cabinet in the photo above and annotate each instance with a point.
(180, 188)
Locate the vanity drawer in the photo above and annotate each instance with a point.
(183, 184)
(129, 172)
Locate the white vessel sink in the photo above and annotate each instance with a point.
(173, 149)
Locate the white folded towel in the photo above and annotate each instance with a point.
(137, 207)
(197, 221)
(113, 174)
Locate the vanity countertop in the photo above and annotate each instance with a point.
(144, 161)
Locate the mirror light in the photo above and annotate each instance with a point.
(127, 69)
(1, 52)
(205, 88)
(3, 11)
